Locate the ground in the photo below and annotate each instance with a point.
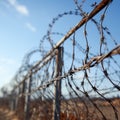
(6, 114)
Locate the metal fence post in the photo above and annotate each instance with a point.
(13, 100)
(57, 101)
(27, 99)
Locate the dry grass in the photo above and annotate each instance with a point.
(70, 110)
(6, 114)
(76, 110)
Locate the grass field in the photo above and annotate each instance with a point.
(73, 110)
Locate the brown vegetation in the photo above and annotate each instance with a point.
(74, 110)
(43, 110)
(6, 114)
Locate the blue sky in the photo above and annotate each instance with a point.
(24, 22)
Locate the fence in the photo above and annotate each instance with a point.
(74, 79)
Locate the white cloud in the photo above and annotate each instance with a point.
(31, 27)
(22, 9)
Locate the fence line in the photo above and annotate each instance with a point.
(93, 61)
